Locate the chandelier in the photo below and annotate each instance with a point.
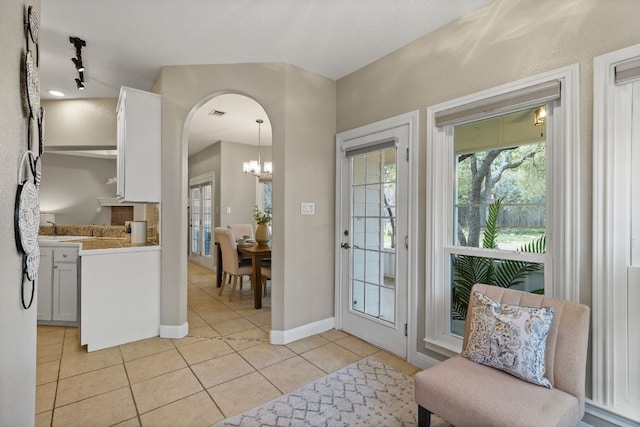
(254, 167)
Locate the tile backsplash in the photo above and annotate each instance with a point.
(121, 214)
(151, 215)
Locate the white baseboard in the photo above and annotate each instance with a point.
(606, 416)
(304, 331)
(174, 331)
(423, 361)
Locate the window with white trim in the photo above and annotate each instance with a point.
(498, 211)
(501, 196)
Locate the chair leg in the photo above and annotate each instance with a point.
(234, 281)
(224, 282)
(424, 417)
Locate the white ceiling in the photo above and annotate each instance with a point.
(128, 41)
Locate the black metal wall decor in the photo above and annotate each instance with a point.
(27, 204)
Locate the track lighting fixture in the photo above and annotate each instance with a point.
(78, 63)
(78, 43)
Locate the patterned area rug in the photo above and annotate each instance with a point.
(366, 393)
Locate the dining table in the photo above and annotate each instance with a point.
(257, 253)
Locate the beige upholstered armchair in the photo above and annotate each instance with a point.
(466, 393)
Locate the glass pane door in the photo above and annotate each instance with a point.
(206, 219)
(201, 219)
(373, 281)
(195, 220)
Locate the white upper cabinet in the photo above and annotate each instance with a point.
(139, 140)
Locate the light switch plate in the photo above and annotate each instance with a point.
(307, 208)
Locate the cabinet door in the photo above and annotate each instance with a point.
(65, 291)
(120, 158)
(139, 145)
(45, 282)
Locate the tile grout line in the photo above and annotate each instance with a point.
(200, 382)
(133, 396)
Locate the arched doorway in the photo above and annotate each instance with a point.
(222, 132)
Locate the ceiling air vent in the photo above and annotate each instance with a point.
(217, 113)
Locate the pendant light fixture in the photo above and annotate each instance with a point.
(255, 167)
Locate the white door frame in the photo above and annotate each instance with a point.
(410, 119)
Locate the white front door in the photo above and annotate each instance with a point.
(372, 219)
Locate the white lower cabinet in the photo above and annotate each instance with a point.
(58, 285)
(120, 297)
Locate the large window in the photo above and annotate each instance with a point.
(499, 207)
(502, 198)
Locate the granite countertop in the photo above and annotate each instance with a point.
(108, 243)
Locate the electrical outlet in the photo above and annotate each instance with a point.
(229, 210)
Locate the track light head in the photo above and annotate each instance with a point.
(78, 63)
(79, 84)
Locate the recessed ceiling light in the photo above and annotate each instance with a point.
(56, 93)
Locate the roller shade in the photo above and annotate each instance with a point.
(370, 147)
(507, 102)
(628, 71)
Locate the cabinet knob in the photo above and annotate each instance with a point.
(55, 266)
(64, 255)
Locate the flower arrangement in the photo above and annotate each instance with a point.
(262, 217)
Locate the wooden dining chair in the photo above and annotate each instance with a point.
(232, 269)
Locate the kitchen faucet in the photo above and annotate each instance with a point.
(55, 232)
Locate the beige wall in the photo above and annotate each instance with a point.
(301, 109)
(74, 203)
(17, 326)
(309, 176)
(80, 123)
(238, 190)
(505, 41)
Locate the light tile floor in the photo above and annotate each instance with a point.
(224, 367)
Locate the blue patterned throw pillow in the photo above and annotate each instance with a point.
(508, 337)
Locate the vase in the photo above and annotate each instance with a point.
(263, 234)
